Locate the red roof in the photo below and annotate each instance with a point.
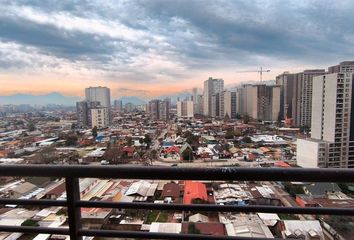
(282, 164)
(171, 190)
(128, 149)
(58, 190)
(194, 190)
(251, 157)
(172, 149)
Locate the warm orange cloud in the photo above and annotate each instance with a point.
(74, 85)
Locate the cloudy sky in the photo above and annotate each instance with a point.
(156, 47)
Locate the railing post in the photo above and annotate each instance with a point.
(74, 213)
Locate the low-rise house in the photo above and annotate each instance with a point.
(159, 227)
(171, 190)
(299, 229)
(245, 225)
(205, 228)
(198, 218)
(194, 192)
(22, 190)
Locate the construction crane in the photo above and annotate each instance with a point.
(261, 71)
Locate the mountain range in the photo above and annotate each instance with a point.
(55, 98)
(50, 98)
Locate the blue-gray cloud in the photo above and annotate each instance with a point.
(140, 40)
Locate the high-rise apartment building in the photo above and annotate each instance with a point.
(260, 101)
(164, 109)
(229, 104)
(129, 107)
(302, 94)
(185, 109)
(99, 94)
(286, 82)
(215, 105)
(82, 114)
(199, 104)
(83, 110)
(99, 117)
(118, 105)
(159, 109)
(346, 66)
(211, 87)
(332, 126)
(296, 96)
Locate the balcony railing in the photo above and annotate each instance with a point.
(73, 202)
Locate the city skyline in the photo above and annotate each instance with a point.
(156, 48)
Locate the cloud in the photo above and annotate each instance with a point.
(164, 41)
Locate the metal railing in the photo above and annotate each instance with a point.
(74, 204)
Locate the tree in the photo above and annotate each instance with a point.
(94, 131)
(71, 140)
(187, 154)
(246, 139)
(31, 127)
(129, 141)
(30, 223)
(292, 189)
(192, 229)
(230, 134)
(147, 140)
(246, 119)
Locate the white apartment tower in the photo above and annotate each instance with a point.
(211, 88)
(99, 94)
(332, 125)
(259, 101)
(185, 109)
(100, 117)
(230, 104)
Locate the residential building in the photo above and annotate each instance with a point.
(159, 109)
(129, 107)
(83, 111)
(332, 127)
(346, 66)
(118, 105)
(99, 117)
(82, 114)
(164, 109)
(185, 109)
(296, 96)
(302, 94)
(260, 101)
(229, 104)
(286, 82)
(215, 105)
(211, 87)
(99, 94)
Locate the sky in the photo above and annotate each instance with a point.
(161, 47)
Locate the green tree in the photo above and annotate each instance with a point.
(94, 131)
(71, 140)
(230, 134)
(246, 119)
(129, 141)
(246, 139)
(187, 154)
(30, 223)
(147, 140)
(192, 229)
(31, 127)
